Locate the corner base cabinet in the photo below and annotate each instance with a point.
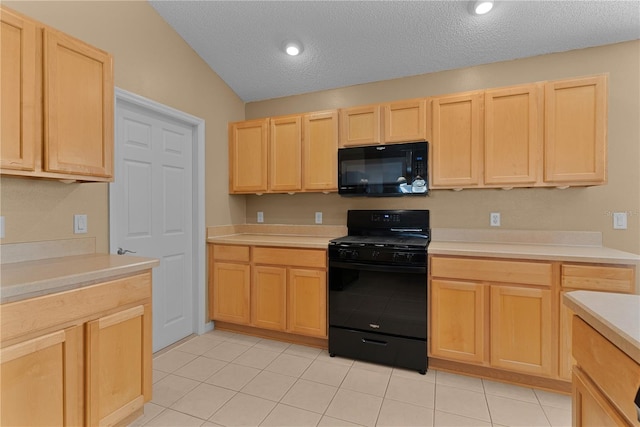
(83, 357)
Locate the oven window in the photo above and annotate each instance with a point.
(390, 302)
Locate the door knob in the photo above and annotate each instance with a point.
(124, 251)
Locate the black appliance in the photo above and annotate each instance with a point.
(378, 288)
(383, 170)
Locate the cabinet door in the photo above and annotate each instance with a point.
(576, 131)
(41, 380)
(513, 135)
(320, 151)
(360, 126)
(269, 297)
(285, 154)
(457, 141)
(521, 329)
(405, 121)
(457, 320)
(590, 407)
(307, 310)
(78, 107)
(118, 365)
(230, 293)
(248, 156)
(18, 92)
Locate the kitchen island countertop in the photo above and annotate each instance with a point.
(27, 279)
(614, 316)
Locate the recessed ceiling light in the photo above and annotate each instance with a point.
(481, 7)
(293, 48)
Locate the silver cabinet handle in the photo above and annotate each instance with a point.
(124, 251)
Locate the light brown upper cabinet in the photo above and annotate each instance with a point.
(248, 156)
(405, 121)
(18, 38)
(360, 126)
(57, 104)
(513, 135)
(78, 107)
(320, 151)
(576, 131)
(285, 154)
(456, 146)
(400, 121)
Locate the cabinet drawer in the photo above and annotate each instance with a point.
(615, 373)
(291, 257)
(231, 253)
(598, 278)
(527, 273)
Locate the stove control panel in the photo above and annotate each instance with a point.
(373, 254)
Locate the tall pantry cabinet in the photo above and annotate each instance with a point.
(57, 103)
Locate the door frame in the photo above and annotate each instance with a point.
(200, 322)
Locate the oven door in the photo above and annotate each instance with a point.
(378, 298)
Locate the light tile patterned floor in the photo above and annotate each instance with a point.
(226, 379)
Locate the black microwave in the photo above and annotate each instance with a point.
(383, 170)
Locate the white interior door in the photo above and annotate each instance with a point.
(151, 206)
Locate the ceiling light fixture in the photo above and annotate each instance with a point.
(293, 48)
(481, 7)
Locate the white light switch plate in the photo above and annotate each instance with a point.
(318, 217)
(2, 227)
(620, 220)
(260, 217)
(79, 224)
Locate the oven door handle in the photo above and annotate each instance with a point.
(378, 267)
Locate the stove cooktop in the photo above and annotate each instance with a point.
(409, 242)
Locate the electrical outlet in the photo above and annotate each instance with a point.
(79, 224)
(620, 220)
(2, 227)
(260, 216)
(494, 220)
(318, 217)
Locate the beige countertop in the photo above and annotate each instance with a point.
(539, 245)
(552, 252)
(273, 240)
(21, 280)
(614, 316)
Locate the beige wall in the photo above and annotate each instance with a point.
(152, 60)
(582, 209)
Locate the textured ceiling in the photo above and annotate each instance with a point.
(354, 42)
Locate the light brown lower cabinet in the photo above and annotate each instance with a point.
(505, 317)
(458, 320)
(494, 313)
(83, 358)
(593, 277)
(521, 329)
(307, 309)
(590, 407)
(42, 380)
(230, 296)
(279, 289)
(117, 346)
(269, 297)
(605, 380)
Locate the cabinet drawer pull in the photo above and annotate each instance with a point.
(374, 342)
